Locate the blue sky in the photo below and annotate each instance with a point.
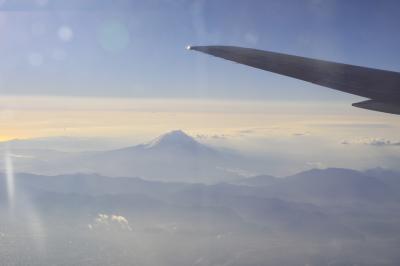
(136, 48)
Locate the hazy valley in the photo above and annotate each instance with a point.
(317, 217)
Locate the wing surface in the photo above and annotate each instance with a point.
(380, 85)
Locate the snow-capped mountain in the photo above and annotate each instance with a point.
(175, 141)
(174, 156)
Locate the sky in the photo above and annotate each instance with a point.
(136, 48)
(119, 69)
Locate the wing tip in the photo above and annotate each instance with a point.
(203, 49)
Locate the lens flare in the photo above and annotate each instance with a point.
(65, 33)
(35, 59)
(21, 211)
(114, 36)
(9, 178)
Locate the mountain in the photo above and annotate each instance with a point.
(91, 184)
(174, 156)
(332, 185)
(171, 143)
(178, 141)
(239, 204)
(389, 177)
(264, 211)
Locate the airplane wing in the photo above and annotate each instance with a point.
(382, 87)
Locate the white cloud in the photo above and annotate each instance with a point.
(110, 222)
(318, 165)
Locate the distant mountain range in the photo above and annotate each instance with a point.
(325, 209)
(329, 186)
(174, 156)
(298, 202)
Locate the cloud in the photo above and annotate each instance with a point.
(212, 136)
(238, 133)
(352, 125)
(119, 219)
(246, 131)
(382, 142)
(318, 165)
(109, 222)
(239, 171)
(300, 134)
(373, 142)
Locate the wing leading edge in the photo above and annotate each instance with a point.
(381, 86)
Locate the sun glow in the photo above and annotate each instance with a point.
(29, 117)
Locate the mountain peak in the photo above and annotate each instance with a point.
(175, 138)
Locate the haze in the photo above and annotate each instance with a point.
(120, 147)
